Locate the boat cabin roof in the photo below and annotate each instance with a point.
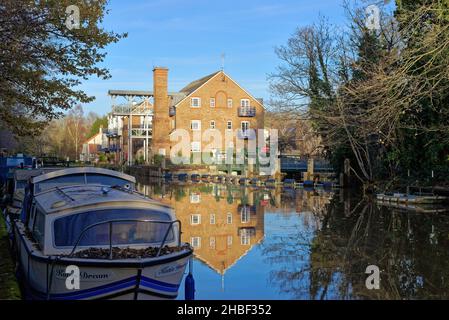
(26, 174)
(96, 197)
(83, 170)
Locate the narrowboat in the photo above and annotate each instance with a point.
(18, 161)
(91, 223)
(420, 198)
(13, 198)
(244, 181)
(183, 177)
(289, 183)
(75, 176)
(271, 183)
(205, 178)
(255, 182)
(195, 177)
(221, 179)
(168, 176)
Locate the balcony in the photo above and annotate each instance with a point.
(247, 112)
(248, 134)
(141, 131)
(112, 132)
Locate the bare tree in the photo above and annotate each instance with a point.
(75, 127)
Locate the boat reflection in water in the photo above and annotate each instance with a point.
(297, 244)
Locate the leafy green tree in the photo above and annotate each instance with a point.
(424, 132)
(101, 122)
(44, 58)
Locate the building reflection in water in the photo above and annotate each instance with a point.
(222, 223)
(287, 244)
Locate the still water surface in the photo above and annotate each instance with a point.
(285, 244)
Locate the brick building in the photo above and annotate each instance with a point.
(214, 104)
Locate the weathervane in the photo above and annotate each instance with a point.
(223, 61)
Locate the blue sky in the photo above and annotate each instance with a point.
(189, 37)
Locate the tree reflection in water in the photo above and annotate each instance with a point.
(328, 258)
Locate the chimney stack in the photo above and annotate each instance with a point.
(161, 118)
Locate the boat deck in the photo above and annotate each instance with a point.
(408, 198)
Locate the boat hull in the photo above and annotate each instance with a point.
(44, 278)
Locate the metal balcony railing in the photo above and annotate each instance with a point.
(130, 109)
(142, 132)
(246, 111)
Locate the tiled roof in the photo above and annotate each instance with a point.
(192, 86)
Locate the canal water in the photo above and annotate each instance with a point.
(286, 244)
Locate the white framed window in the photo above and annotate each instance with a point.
(244, 125)
(245, 239)
(229, 241)
(212, 124)
(195, 242)
(245, 215)
(244, 102)
(229, 125)
(195, 102)
(195, 197)
(196, 146)
(195, 125)
(212, 218)
(195, 219)
(212, 102)
(229, 218)
(229, 103)
(212, 242)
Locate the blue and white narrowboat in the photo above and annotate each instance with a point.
(97, 240)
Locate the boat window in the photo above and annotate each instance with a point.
(68, 229)
(107, 180)
(72, 179)
(10, 187)
(20, 184)
(39, 228)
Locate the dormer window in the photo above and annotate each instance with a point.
(195, 102)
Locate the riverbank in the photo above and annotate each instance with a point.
(9, 288)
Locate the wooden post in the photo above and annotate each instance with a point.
(310, 169)
(345, 176)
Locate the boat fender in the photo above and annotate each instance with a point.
(190, 283)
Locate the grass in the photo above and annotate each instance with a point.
(9, 288)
